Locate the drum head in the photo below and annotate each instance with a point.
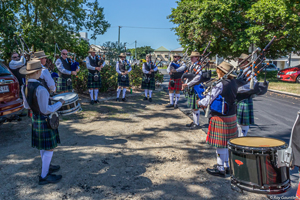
(257, 142)
(67, 97)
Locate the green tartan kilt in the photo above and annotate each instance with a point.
(150, 85)
(93, 84)
(192, 101)
(123, 83)
(245, 114)
(43, 138)
(62, 85)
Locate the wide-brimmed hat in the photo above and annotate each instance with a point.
(31, 67)
(122, 55)
(92, 50)
(39, 55)
(243, 56)
(226, 67)
(195, 54)
(176, 54)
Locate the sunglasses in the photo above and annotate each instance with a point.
(64, 54)
(175, 56)
(16, 57)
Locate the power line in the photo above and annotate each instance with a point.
(140, 27)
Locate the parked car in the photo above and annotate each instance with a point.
(10, 103)
(162, 63)
(271, 68)
(291, 74)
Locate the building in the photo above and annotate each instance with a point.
(84, 35)
(283, 62)
(161, 54)
(177, 51)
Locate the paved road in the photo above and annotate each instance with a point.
(274, 116)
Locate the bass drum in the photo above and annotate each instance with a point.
(253, 165)
(71, 104)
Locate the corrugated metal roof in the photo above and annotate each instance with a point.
(162, 48)
(180, 49)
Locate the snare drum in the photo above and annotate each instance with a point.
(253, 165)
(71, 104)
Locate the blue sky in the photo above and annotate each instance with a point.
(139, 13)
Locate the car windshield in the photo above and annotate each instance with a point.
(4, 71)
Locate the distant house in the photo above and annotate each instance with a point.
(178, 51)
(162, 54)
(98, 49)
(283, 62)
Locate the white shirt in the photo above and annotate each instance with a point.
(147, 72)
(61, 68)
(89, 66)
(43, 100)
(47, 77)
(118, 69)
(212, 95)
(17, 64)
(180, 69)
(196, 78)
(246, 87)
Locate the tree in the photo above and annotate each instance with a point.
(233, 25)
(141, 52)
(112, 51)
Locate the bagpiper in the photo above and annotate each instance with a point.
(148, 81)
(15, 64)
(123, 68)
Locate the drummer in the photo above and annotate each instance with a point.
(94, 65)
(46, 78)
(63, 64)
(44, 138)
(222, 127)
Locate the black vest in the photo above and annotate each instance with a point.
(31, 97)
(148, 68)
(67, 66)
(191, 69)
(93, 63)
(229, 94)
(18, 75)
(177, 75)
(123, 67)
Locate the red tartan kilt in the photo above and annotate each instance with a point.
(177, 86)
(220, 130)
(298, 192)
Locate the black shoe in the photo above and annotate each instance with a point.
(150, 99)
(118, 99)
(96, 101)
(189, 125)
(145, 99)
(53, 168)
(50, 178)
(215, 172)
(194, 126)
(227, 169)
(92, 102)
(175, 106)
(123, 99)
(170, 105)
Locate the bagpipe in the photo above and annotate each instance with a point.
(147, 77)
(26, 52)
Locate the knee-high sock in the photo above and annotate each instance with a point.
(171, 98)
(194, 117)
(42, 153)
(46, 163)
(146, 92)
(226, 164)
(221, 157)
(124, 92)
(118, 93)
(91, 94)
(150, 93)
(96, 93)
(197, 117)
(240, 133)
(245, 130)
(177, 96)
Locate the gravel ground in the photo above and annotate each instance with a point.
(116, 150)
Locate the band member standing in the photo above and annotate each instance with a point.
(94, 65)
(148, 83)
(46, 78)
(44, 138)
(245, 116)
(63, 64)
(123, 68)
(222, 127)
(175, 69)
(192, 98)
(15, 64)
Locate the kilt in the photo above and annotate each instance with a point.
(298, 192)
(150, 85)
(244, 113)
(123, 83)
(177, 86)
(62, 85)
(220, 130)
(93, 84)
(192, 101)
(43, 138)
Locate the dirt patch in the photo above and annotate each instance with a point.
(116, 150)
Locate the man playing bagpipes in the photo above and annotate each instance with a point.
(176, 70)
(148, 82)
(94, 65)
(45, 136)
(123, 68)
(45, 78)
(64, 66)
(15, 64)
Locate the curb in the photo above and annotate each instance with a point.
(286, 93)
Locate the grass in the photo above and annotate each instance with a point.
(285, 86)
(164, 67)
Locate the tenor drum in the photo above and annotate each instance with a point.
(253, 165)
(71, 104)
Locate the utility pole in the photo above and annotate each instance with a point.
(119, 36)
(135, 50)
